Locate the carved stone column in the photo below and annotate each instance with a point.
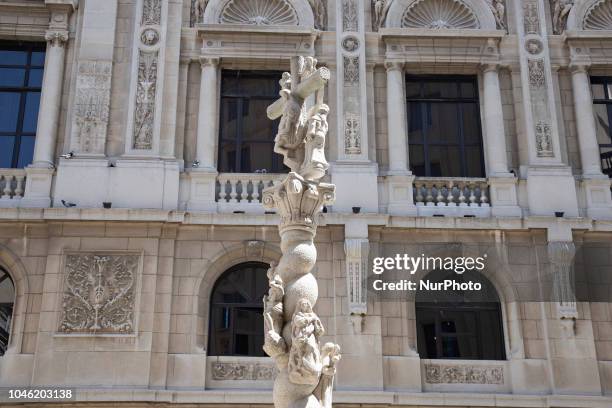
(40, 172)
(50, 99)
(292, 329)
(503, 184)
(208, 115)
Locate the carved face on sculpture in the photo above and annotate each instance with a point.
(304, 306)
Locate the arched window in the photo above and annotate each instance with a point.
(7, 299)
(236, 322)
(455, 324)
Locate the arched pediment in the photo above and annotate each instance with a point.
(440, 14)
(591, 15)
(260, 13)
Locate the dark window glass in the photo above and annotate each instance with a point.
(21, 72)
(444, 126)
(460, 325)
(7, 297)
(247, 135)
(602, 108)
(236, 322)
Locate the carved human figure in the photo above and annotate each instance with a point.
(330, 355)
(304, 356)
(560, 10)
(315, 164)
(499, 12)
(381, 8)
(274, 344)
(200, 8)
(319, 9)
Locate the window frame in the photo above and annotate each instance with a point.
(460, 102)
(233, 308)
(606, 81)
(3, 276)
(23, 91)
(239, 139)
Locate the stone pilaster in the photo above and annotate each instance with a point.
(549, 179)
(208, 115)
(353, 145)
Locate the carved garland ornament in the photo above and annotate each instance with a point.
(352, 134)
(243, 371)
(99, 293)
(463, 374)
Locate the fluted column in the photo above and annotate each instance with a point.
(48, 116)
(497, 160)
(396, 119)
(208, 114)
(585, 122)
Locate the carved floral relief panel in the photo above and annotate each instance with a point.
(463, 374)
(99, 293)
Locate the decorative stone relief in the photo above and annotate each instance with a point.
(352, 136)
(319, 10)
(599, 16)
(149, 37)
(259, 12)
(537, 78)
(498, 8)
(91, 106)
(222, 371)
(355, 250)
(531, 19)
(350, 17)
(99, 293)
(56, 38)
(534, 46)
(351, 70)
(463, 374)
(350, 43)
(380, 8)
(560, 10)
(151, 12)
(144, 115)
(544, 140)
(255, 249)
(439, 14)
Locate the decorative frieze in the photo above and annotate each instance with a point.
(144, 114)
(351, 70)
(91, 106)
(463, 374)
(350, 17)
(99, 293)
(352, 134)
(537, 77)
(356, 250)
(237, 371)
(531, 18)
(350, 43)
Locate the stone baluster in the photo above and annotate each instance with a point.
(472, 191)
(223, 191)
(7, 187)
(255, 195)
(484, 199)
(429, 193)
(461, 198)
(440, 197)
(419, 192)
(19, 185)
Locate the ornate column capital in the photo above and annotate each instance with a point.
(490, 66)
(56, 38)
(209, 61)
(394, 66)
(579, 67)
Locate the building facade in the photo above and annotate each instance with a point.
(135, 146)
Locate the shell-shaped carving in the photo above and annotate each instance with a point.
(599, 16)
(259, 12)
(439, 14)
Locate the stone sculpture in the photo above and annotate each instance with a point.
(293, 330)
(560, 10)
(499, 12)
(380, 9)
